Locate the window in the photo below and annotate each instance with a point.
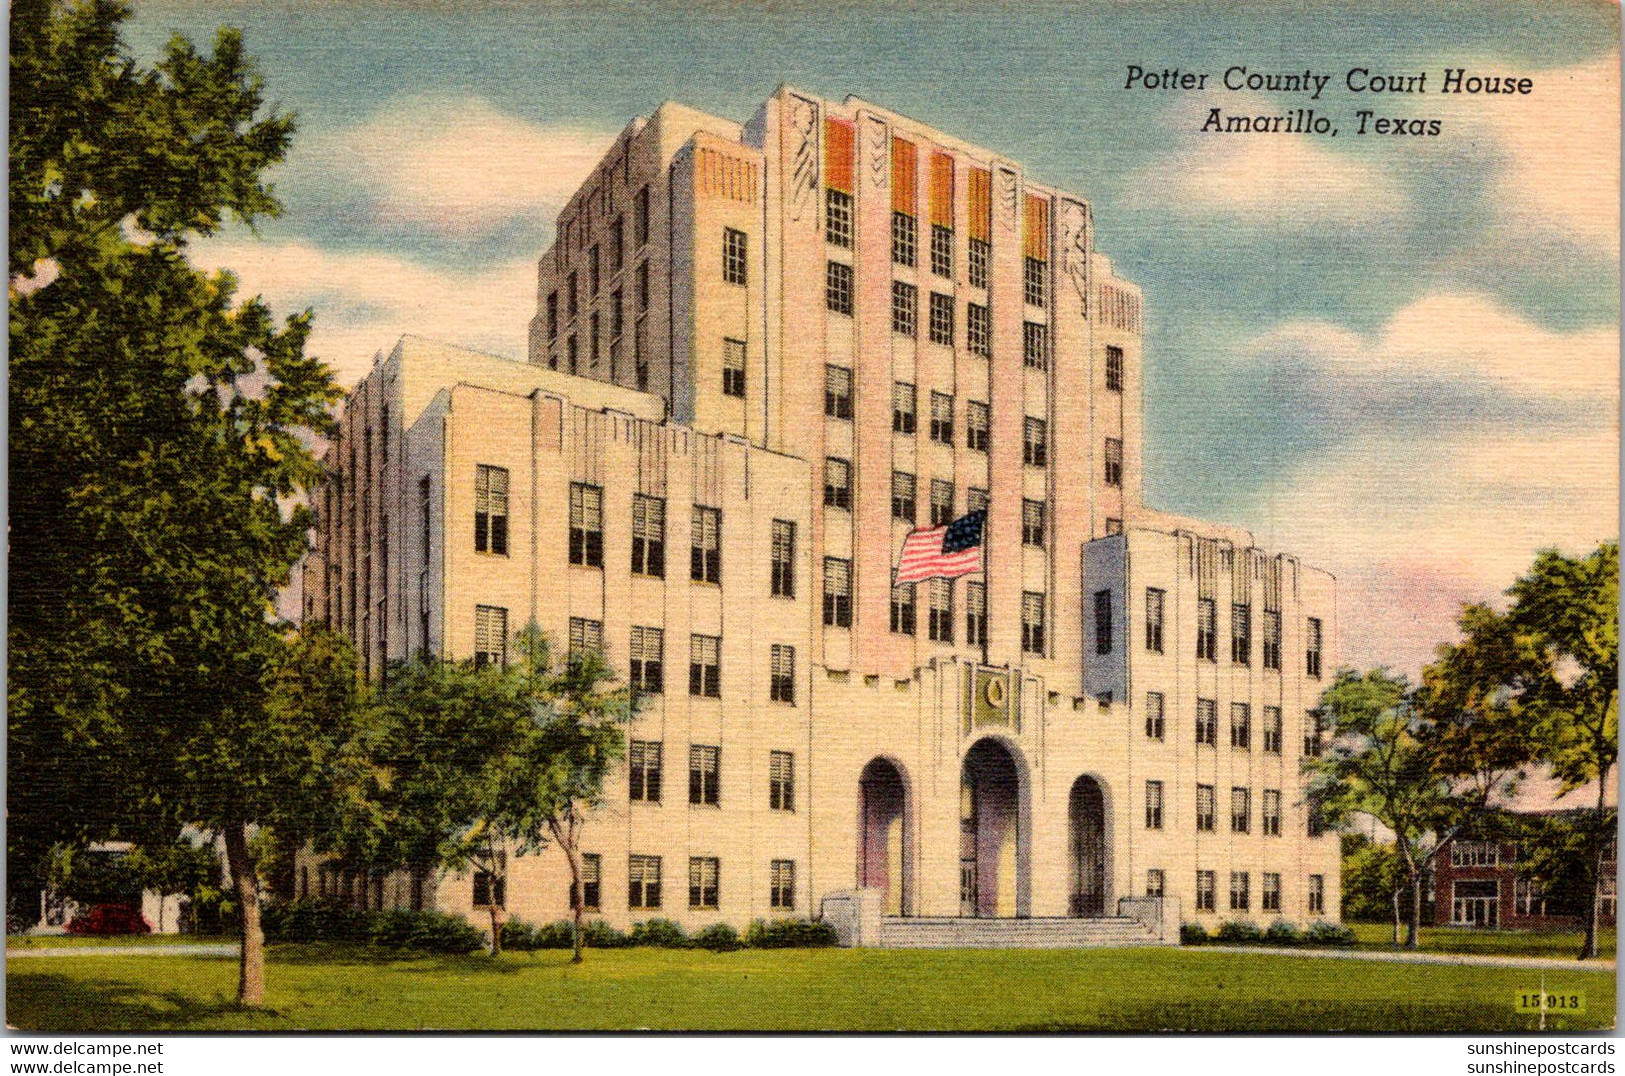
(1034, 442)
(976, 614)
(586, 525)
(1527, 897)
(1272, 639)
(1032, 622)
(733, 368)
(1314, 729)
(552, 316)
(837, 592)
(1153, 805)
(783, 583)
(490, 888)
(733, 256)
(1103, 622)
(1114, 525)
(705, 666)
(1270, 896)
(1154, 599)
(592, 346)
(1205, 808)
(838, 288)
(940, 611)
(643, 882)
(942, 250)
(648, 535)
(837, 484)
(1154, 884)
(903, 417)
(1271, 816)
(942, 319)
(1316, 816)
(1240, 899)
(705, 551)
(490, 636)
(1204, 891)
(702, 881)
(643, 291)
(1032, 281)
(703, 774)
(1272, 730)
(905, 308)
(902, 496)
(978, 330)
(904, 239)
(1207, 722)
(902, 609)
(491, 509)
(1154, 729)
(1034, 345)
(592, 276)
(1241, 632)
(981, 253)
(783, 884)
(942, 502)
(838, 392)
(1114, 368)
(648, 649)
(1114, 462)
(976, 500)
(617, 244)
(781, 781)
(942, 418)
(837, 217)
(617, 326)
(586, 637)
(978, 425)
(592, 872)
(1317, 894)
(640, 216)
(643, 767)
(1312, 647)
(1032, 523)
(782, 674)
(573, 295)
(1241, 810)
(1207, 629)
(1241, 725)
(1475, 854)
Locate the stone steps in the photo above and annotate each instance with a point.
(1043, 933)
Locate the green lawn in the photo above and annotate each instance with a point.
(1489, 942)
(873, 990)
(70, 941)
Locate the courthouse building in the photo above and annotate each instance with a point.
(762, 356)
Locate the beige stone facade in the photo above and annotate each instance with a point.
(792, 342)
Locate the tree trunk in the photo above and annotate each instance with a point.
(496, 926)
(1413, 925)
(251, 947)
(1395, 903)
(576, 910)
(1588, 948)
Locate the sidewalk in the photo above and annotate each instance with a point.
(1472, 959)
(199, 949)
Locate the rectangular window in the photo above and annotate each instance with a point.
(781, 781)
(837, 484)
(1316, 816)
(1103, 622)
(1032, 523)
(904, 239)
(1154, 600)
(1114, 525)
(643, 878)
(976, 614)
(1114, 462)
(838, 218)
(904, 418)
(1241, 810)
(1314, 729)
(705, 666)
(571, 291)
(1207, 722)
(902, 496)
(783, 584)
(978, 330)
(1032, 281)
(648, 535)
(942, 250)
(1272, 730)
(586, 525)
(942, 418)
(1207, 630)
(1241, 725)
(837, 592)
(1154, 884)
(1270, 818)
(940, 611)
(643, 290)
(592, 275)
(592, 873)
(705, 550)
(1241, 634)
(586, 637)
(838, 392)
(1270, 895)
(838, 288)
(1034, 442)
(702, 881)
(1272, 639)
(490, 636)
(593, 342)
(1153, 805)
(490, 889)
(1114, 368)
(1032, 622)
(617, 244)
(552, 316)
(643, 767)
(733, 368)
(782, 674)
(942, 319)
(1317, 894)
(978, 425)
(981, 254)
(491, 509)
(1240, 899)
(648, 661)
(1034, 345)
(1154, 728)
(1205, 808)
(1312, 647)
(1204, 891)
(1475, 854)
(905, 308)
(640, 216)
(976, 500)
(733, 256)
(942, 502)
(704, 775)
(782, 894)
(903, 609)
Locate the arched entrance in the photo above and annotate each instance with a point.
(1086, 815)
(884, 838)
(992, 849)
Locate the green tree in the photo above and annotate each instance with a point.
(1373, 880)
(180, 866)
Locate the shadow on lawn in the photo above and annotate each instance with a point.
(47, 1001)
(412, 962)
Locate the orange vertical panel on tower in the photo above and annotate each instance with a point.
(942, 190)
(905, 165)
(838, 154)
(980, 224)
(1035, 235)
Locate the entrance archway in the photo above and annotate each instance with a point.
(1086, 817)
(884, 834)
(992, 848)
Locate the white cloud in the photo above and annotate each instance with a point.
(457, 166)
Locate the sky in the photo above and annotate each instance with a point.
(1393, 355)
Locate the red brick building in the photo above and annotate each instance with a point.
(1477, 883)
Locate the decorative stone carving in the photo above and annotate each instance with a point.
(877, 150)
(803, 159)
(1075, 249)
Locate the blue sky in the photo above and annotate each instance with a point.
(1395, 356)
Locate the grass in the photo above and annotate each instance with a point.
(70, 941)
(1548, 943)
(330, 987)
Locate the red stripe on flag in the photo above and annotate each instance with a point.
(922, 558)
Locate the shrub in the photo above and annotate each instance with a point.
(327, 920)
(1281, 932)
(719, 938)
(105, 919)
(559, 935)
(1192, 934)
(660, 932)
(600, 935)
(791, 934)
(1323, 933)
(1238, 931)
(518, 936)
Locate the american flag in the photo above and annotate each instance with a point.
(943, 552)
